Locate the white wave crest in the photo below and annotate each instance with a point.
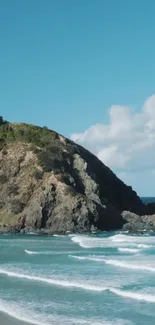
(137, 239)
(91, 242)
(114, 241)
(114, 262)
(40, 252)
(82, 241)
(31, 252)
(61, 236)
(88, 258)
(11, 309)
(129, 265)
(48, 252)
(23, 312)
(128, 250)
(51, 281)
(98, 288)
(134, 295)
(144, 246)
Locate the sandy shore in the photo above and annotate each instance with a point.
(7, 320)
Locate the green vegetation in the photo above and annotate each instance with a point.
(45, 143)
(28, 133)
(2, 122)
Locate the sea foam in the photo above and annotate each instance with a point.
(119, 240)
(113, 262)
(128, 250)
(129, 265)
(56, 282)
(85, 286)
(23, 312)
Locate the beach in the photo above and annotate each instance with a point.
(8, 320)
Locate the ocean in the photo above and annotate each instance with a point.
(147, 200)
(104, 279)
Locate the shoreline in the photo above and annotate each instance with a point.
(6, 319)
(50, 235)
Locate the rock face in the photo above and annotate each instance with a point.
(135, 223)
(50, 184)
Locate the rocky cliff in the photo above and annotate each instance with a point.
(49, 183)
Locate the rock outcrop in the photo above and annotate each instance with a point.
(135, 223)
(50, 184)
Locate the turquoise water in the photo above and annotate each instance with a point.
(106, 279)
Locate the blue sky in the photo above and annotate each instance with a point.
(65, 63)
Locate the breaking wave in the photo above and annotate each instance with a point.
(114, 262)
(51, 281)
(114, 241)
(46, 252)
(88, 258)
(23, 312)
(129, 265)
(128, 250)
(85, 286)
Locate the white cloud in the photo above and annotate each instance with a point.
(112, 153)
(127, 142)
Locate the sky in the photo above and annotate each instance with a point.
(85, 68)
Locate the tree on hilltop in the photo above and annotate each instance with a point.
(2, 121)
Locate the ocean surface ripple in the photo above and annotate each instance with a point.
(102, 279)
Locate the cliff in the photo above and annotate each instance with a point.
(49, 183)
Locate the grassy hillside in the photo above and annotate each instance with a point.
(28, 133)
(52, 149)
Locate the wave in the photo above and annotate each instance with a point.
(91, 242)
(114, 241)
(128, 265)
(88, 258)
(48, 252)
(51, 281)
(114, 262)
(29, 316)
(126, 238)
(82, 241)
(31, 252)
(61, 236)
(85, 286)
(128, 250)
(134, 295)
(40, 252)
(144, 246)
(11, 309)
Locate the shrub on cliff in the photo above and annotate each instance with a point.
(2, 122)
